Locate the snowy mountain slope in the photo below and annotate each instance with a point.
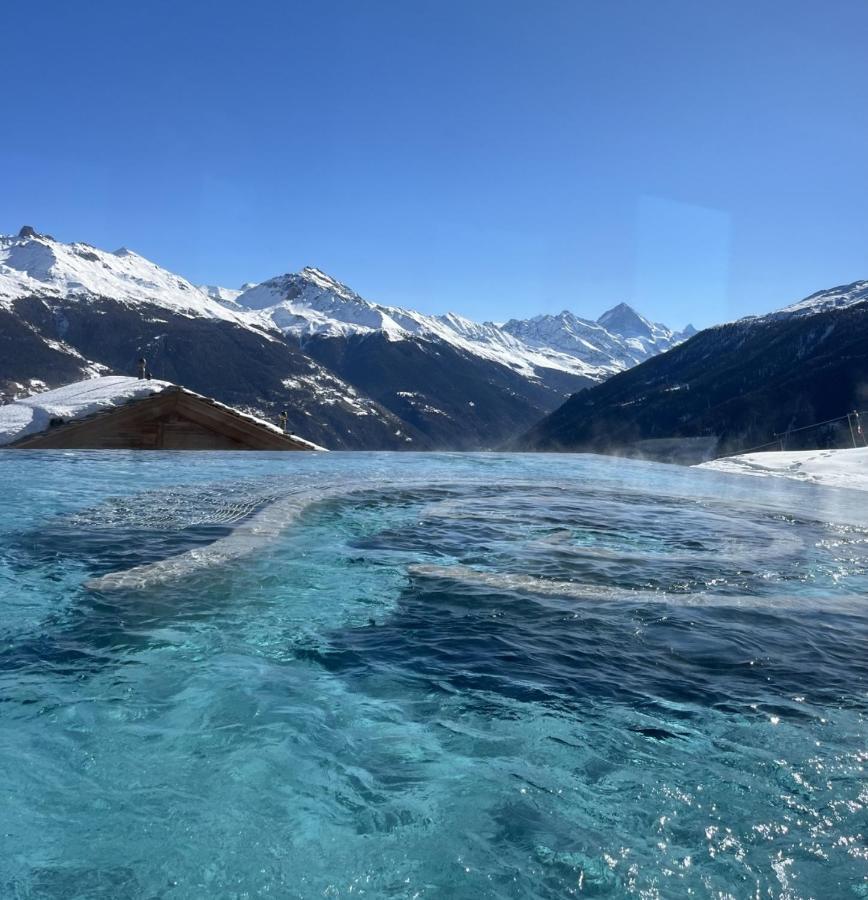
(47, 342)
(349, 372)
(822, 301)
(31, 359)
(729, 387)
(224, 295)
(619, 339)
(312, 303)
(33, 264)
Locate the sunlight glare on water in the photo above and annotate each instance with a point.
(428, 675)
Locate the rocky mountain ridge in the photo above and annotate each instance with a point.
(349, 372)
(311, 303)
(729, 388)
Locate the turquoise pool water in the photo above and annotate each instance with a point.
(428, 675)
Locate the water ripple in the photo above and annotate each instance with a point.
(429, 676)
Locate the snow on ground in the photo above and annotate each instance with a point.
(72, 401)
(835, 468)
(329, 390)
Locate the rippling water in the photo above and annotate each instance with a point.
(428, 676)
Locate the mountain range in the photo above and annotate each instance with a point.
(760, 380)
(350, 373)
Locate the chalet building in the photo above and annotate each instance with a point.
(118, 413)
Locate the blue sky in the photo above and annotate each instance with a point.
(701, 161)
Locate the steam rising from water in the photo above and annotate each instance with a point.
(474, 677)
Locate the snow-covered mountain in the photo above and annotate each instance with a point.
(36, 264)
(619, 339)
(73, 311)
(311, 303)
(838, 297)
(732, 386)
(350, 372)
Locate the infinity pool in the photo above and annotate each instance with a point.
(428, 675)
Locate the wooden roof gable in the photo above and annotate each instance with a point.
(174, 419)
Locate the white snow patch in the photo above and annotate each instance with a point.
(80, 399)
(834, 298)
(30, 415)
(330, 391)
(834, 468)
(221, 294)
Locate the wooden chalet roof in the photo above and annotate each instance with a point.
(174, 419)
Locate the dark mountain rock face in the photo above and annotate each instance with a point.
(356, 392)
(27, 360)
(55, 341)
(727, 388)
(456, 400)
(349, 373)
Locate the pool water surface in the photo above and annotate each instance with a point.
(428, 675)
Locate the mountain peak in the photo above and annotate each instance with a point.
(310, 286)
(326, 282)
(620, 308)
(28, 231)
(624, 320)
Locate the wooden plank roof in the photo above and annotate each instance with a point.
(172, 419)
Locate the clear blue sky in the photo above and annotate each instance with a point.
(700, 160)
